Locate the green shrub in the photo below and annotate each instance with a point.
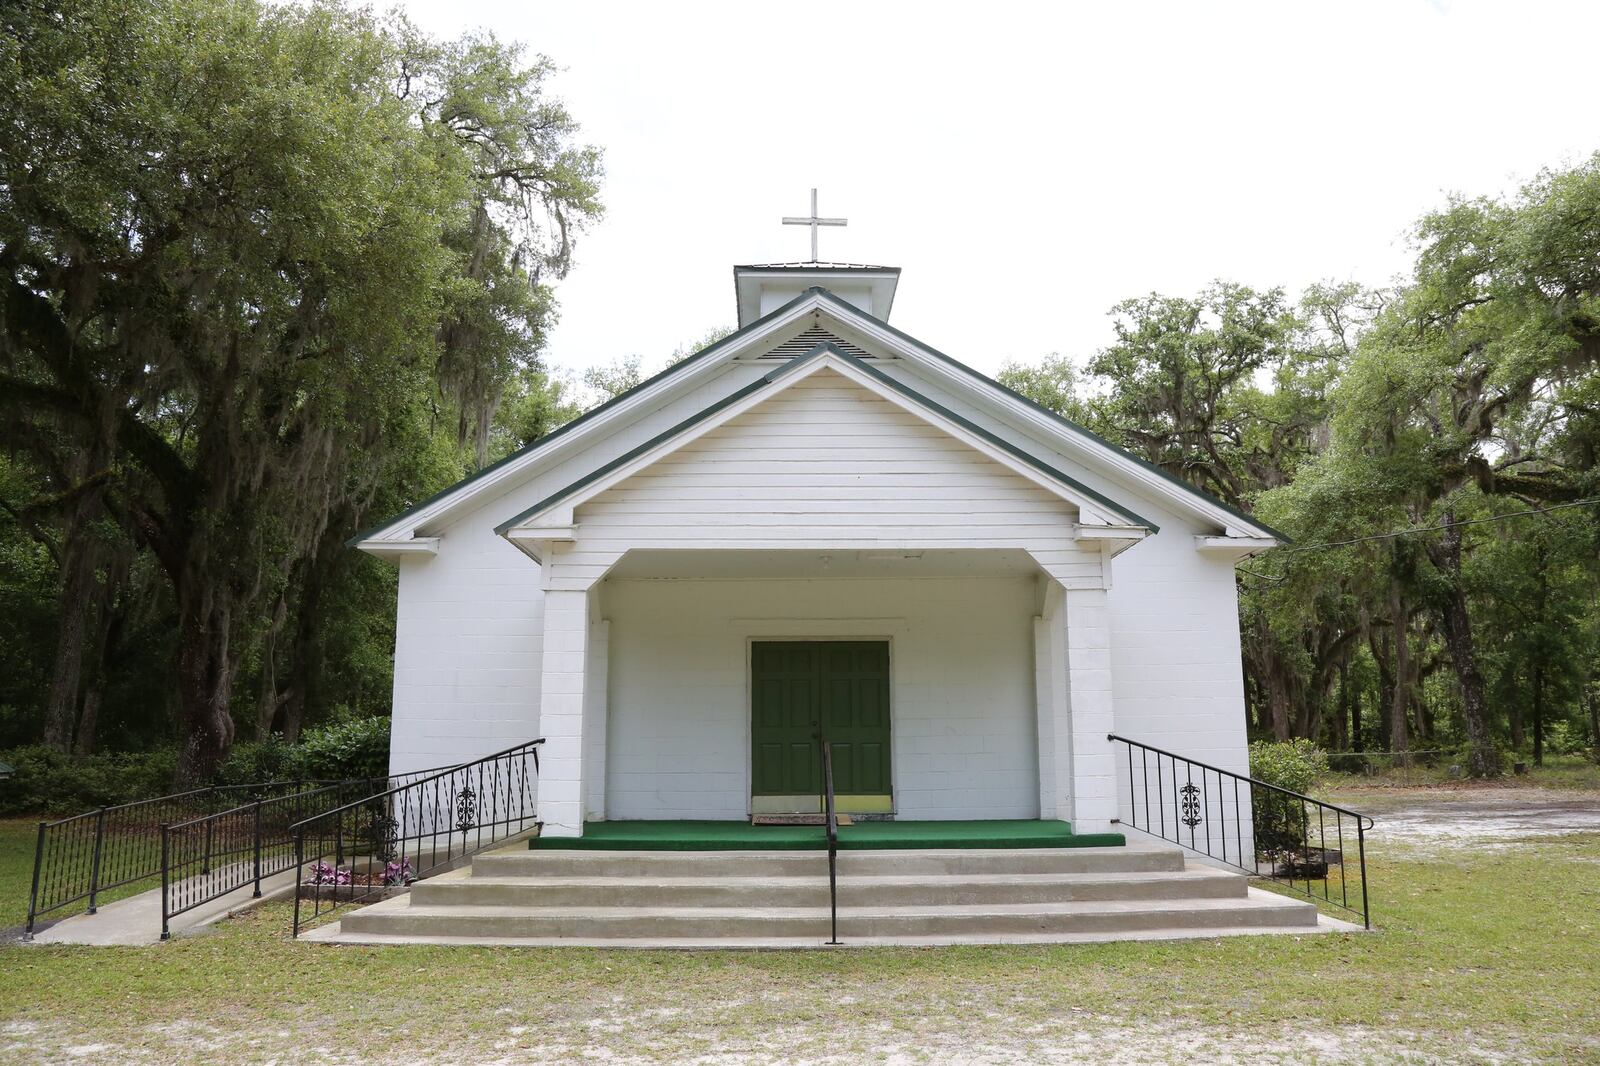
(350, 748)
(273, 759)
(45, 781)
(1562, 738)
(1280, 821)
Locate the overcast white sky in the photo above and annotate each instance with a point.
(1029, 165)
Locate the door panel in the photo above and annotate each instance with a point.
(806, 691)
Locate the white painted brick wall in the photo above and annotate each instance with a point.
(961, 691)
(468, 661)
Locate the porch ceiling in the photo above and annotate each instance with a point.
(866, 563)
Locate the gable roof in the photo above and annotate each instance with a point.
(1020, 409)
(593, 415)
(912, 400)
(1057, 418)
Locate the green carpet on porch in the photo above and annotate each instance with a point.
(742, 836)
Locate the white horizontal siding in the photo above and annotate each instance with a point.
(826, 463)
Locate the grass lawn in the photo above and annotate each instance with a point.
(1558, 771)
(1486, 954)
(17, 839)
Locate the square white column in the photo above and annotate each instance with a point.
(1087, 646)
(595, 713)
(564, 678)
(1054, 717)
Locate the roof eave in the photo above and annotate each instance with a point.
(564, 495)
(1038, 408)
(385, 530)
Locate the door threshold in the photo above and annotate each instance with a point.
(798, 819)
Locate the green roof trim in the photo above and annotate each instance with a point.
(828, 348)
(665, 435)
(843, 305)
(1056, 416)
(999, 442)
(587, 416)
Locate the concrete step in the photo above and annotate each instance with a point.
(406, 917)
(811, 889)
(886, 863)
(333, 934)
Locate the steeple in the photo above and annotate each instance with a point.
(763, 287)
(814, 222)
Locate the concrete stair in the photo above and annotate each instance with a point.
(780, 899)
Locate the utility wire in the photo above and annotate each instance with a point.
(1439, 527)
(1408, 532)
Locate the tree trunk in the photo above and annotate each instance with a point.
(94, 692)
(267, 700)
(1538, 714)
(1355, 720)
(204, 680)
(1278, 700)
(307, 657)
(1341, 738)
(1541, 600)
(1518, 733)
(1382, 654)
(89, 721)
(1399, 736)
(1457, 624)
(77, 600)
(1425, 719)
(1594, 717)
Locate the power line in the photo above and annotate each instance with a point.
(1419, 529)
(1439, 527)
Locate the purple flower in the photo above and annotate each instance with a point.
(398, 873)
(323, 874)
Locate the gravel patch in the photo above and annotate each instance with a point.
(1498, 818)
(1069, 1040)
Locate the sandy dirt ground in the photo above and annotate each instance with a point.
(1076, 1040)
(1475, 818)
(818, 1025)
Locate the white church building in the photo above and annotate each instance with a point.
(819, 528)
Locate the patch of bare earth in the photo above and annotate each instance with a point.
(614, 1039)
(1475, 817)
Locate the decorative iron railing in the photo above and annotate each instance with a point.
(367, 848)
(206, 858)
(831, 820)
(78, 859)
(1269, 832)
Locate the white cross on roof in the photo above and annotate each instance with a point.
(814, 222)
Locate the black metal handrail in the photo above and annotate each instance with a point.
(214, 855)
(388, 840)
(78, 858)
(206, 858)
(1275, 825)
(831, 820)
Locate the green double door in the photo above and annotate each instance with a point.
(805, 692)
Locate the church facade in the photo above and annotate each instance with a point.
(819, 528)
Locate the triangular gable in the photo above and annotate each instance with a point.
(1164, 484)
(774, 330)
(768, 330)
(1096, 508)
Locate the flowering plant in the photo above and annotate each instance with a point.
(323, 874)
(398, 873)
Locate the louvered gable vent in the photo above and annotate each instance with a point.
(810, 339)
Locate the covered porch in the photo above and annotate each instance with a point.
(965, 692)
